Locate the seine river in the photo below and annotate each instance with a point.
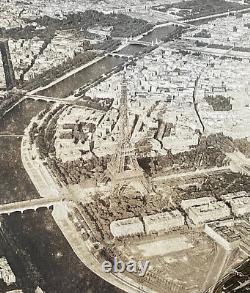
(89, 74)
(32, 242)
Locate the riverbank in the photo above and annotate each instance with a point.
(81, 249)
(66, 75)
(47, 186)
(92, 71)
(42, 180)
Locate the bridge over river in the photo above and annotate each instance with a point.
(33, 204)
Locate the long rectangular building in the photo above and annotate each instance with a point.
(163, 221)
(186, 204)
(239, 202)
(126, 227)
(208, 212)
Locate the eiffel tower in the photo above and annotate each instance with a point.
(123, 168)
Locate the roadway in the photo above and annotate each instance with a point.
(82, 249)
(217, 269)
(11, 135)
(44, 182)
(53, 99)
(73, 238)
(196, 103)
(191, 173)
(211, 16)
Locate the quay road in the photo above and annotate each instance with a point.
(49, 99)
(43, 181)
(65, 101)
(244, 10)
(82, 249)
(11, 135)
(98, 68)
(216, 269)
(82, 252)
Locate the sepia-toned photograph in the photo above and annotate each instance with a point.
(124, 146)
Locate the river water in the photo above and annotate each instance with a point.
(87, 75)
(55, 267)
(33, 244)
(159, 33)
(93, 72)
(15, 184)
(18, 118)
(132, 50)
